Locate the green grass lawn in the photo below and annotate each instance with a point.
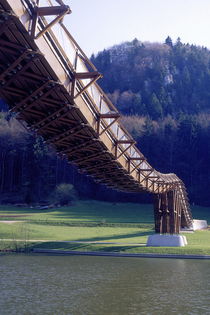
(84, 211)
(126, 224)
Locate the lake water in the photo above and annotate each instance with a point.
(82, 285)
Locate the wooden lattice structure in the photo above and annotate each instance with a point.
(47, 79)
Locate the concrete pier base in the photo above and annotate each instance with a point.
(166, 240)
(200, 225)
(196, 225)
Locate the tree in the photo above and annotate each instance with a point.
(64, 194)
(155, 107)
(168, 41)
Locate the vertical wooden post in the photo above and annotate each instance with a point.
(171, 209)
(183, 220)
(164, 208)
(157, 213)
(177, 212)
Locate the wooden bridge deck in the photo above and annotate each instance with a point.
(47, 79)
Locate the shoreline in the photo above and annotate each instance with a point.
(114, 254)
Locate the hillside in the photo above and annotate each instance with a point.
(156, 79)
(163, 92)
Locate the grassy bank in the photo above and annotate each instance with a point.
(92, 226)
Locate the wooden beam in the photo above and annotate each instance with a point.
(70, 130)
(9, 21)
(157, 213)
(55, 118)
(15, 46)
(146, 169)
(89, 158)
(123, 152)
(131, 141)
(145, 177)
(48, 11)
(12, 66)
(135, 167)
(137, 159)
(101, 165)
(84, 88)
(16, 73)
(171, 209)
(82, 145)
(13, 91)
(87, 75)
(67, 134)
(47, 84)
(51, 116)
(105, 127)
(109, 115)
(53, 10)
(164, 208)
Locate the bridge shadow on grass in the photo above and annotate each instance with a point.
(104, 217)
(110, 212)
(116, 237)
(83, 247)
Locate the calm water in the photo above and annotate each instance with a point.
(77, 285)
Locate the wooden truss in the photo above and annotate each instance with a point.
(60, 11)
(80, 77)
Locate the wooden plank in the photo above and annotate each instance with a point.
(89, 158)
(32, 95)
(55, 118)
(54, 10)
(87, 75)
(67, 134)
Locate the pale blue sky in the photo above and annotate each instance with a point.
(98, 24)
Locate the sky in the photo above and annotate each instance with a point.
(99, 24)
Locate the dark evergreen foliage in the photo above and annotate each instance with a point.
(30, 171)
(156, 80)
(163, 92)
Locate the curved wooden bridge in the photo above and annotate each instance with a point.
(47, 79)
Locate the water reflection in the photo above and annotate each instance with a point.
(103, 286)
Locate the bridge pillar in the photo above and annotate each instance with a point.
(167, 215)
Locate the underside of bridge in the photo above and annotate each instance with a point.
(51, 84)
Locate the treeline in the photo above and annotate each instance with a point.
(156, 80)
(30, 171)
(163, 92)
(177, 146)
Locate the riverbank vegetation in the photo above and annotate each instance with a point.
(92, 226)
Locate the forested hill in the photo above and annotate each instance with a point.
(163, 92)
(156, 79)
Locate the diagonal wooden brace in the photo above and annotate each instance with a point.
(13, 66)
(81, 76)
(112, 115)
(60, 11)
